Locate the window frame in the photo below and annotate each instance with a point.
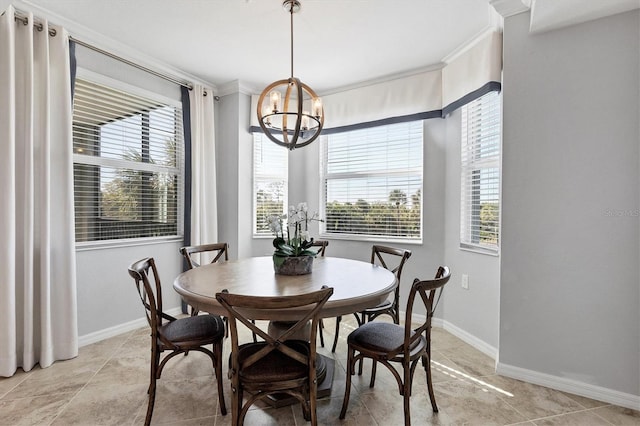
(476, 166)
(106, 162)
(285, 176)
(370, 237)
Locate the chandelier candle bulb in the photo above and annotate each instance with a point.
(275, 101)
(317, 107)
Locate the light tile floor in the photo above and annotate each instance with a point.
(106, 385)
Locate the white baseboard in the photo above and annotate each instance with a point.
(97, 336)
(571, 386)
(467, 337)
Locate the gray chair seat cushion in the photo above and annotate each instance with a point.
(201, 328)
(381, 337)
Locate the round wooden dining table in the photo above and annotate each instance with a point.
(356, 285)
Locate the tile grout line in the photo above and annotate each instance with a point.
(64, 407)
(594, 409)
(369, 411)
(569, 413)
(526, 418)
(293, 415)
(15, 386)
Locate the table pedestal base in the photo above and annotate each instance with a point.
(324, 370)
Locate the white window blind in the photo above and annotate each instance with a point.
(480, 168)
(128, 164)
(270, 182)
(372, 183)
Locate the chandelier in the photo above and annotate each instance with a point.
(289, 112)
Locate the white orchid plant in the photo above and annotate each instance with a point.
(297, 241)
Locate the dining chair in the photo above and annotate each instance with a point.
(216, 251)
(323, 247)
(176, 336)
(386, 257)
(390, 258)
(282, 363)
(385, 343)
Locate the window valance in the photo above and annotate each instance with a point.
(429, 94)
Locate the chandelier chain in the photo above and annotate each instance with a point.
(291, 13)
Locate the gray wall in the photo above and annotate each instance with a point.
(475, 311)
(107, 297)
(227, 170)
(569, 296)
(234, 146)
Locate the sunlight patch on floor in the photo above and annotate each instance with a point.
(452, 372)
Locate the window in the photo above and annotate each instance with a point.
(372, 183)
(128, 164)
(480, 179)
(270, 180)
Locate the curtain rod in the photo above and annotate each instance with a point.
(133, 64)
(23, 17)
(37, 25)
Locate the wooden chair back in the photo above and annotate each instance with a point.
(217, 250)
(393, 259)
(322, 244)
(427, 291)
(150, 294)
(270, 308)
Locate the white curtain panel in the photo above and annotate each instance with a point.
(38, 321)
(204, 207)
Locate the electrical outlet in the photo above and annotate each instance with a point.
(465, 281)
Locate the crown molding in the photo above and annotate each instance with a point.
(469, 44)
(389, 77)
(508, 8)
(235, 86)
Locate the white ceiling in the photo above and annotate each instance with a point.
(338, 43)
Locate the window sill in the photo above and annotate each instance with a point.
(370, 238)
(132, 242)
(263, 237)
(480, 250)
